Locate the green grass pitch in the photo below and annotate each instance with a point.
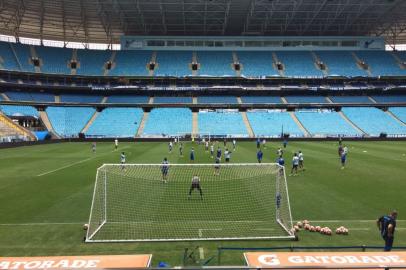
(46, 191)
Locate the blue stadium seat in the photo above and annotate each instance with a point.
(91, 62)
(173, 63)
(168, 121)
(382, 122)
(325, 123)
(81, 98)
(298, 64)
(19, 110)
(215, 63)
(272, 123)
(389, 98)
(261, 99)
(160, 100)
(54, 60)
(9, 61)
(217, 99)
(69, 121)
(116, 122)
(381, 63)
(400, 113)
(306, 99)
(131, 63)
(341, 63)
(256, 64)
(222, 124)
(350, 99)
(127, 99)
(30, 96)
(24, 56)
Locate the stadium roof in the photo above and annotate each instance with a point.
(104, 21)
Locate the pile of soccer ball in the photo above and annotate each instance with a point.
(305, 224)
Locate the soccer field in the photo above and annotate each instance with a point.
(46, 193)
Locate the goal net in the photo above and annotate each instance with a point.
(239, 201)
(185, 137)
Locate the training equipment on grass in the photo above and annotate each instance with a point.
(245, 201)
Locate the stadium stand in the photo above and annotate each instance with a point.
(261, 99)
(222, 123)
(381, 63)
(325, 123)
(54, 60)
(19, 110)
(382, 122)
(399, 112)
(389, 98)
(30, 96)
(168, 121)
(8, 60)
(158, 100)
(298, 64)
(173, 63)
(340, 63)
(256, 64)
(217, 99)
(131, 63)
(306, 99)
(214, 63)
(127, 99)
(69, 121)
(80, 98)
(116, 122)
(272, 123)
(24, 56)
(92, 62)
(350, 99)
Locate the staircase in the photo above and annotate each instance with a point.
(300, 125)
(104, 100)
(236, 61)
(247, 125)
(351, 123)
(112, 59)
(153, 60)
(194, 100)
(316, 60)
(45, 120)
(15, 56)
(90, 122)
(372, 100)
(396, 118)
(57, 99)
(329, 100)
(35, 55)
(5, 97)
(9, 128)
(73, 71)
(194, 60)
(142, 124)
(195, 123)
(275, 61)
(284, 101)
(398, 60)
(359, 61)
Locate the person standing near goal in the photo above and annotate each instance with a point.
(115, 144)
(217, 167)
(295, 164)
(94, 147)
(206, 146)
(192, 155)
(344, 157)
(181, 149)
(122, 159)
(212, 150)
(234, 144)
(195, 185)
(301, 160)
(259, 156)
(165, 170)
(227, 155)
(170, 145)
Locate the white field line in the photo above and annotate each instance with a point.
(66, 166)
(201, 231)
(42, 224)
(201, 253)
(75, 163)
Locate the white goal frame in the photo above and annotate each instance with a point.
(288, 229)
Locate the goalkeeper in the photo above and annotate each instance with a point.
(195, 185)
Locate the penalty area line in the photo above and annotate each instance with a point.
(66, 166)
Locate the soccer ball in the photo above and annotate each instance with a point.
(299, 224)
(296, 228)
(85, 227)
(312, 229)
(328, 231)
(306, 222)
(338, 231)
(307, 227)
(323, 230)
(345, 231)
(318, 228)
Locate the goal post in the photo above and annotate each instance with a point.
(184, 136)
(132, 203)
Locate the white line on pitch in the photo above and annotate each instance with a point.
(201, 253)
(41, 224)
(201, 231)
(66, 166)
(75, 163)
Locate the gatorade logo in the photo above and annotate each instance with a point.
(269, 259)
